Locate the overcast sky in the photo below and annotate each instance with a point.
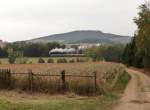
(26, 19)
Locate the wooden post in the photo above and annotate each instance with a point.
(9, 78)
(30, 77)
(5, 75)
(0, 75)
(95, 81)
(63, 80)
(5, 78)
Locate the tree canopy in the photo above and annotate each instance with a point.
(137, 53)
(31, 49)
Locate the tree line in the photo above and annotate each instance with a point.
(30, 49)
(111, 53)
(137, 52)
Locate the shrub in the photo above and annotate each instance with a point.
(122, 81)
(16, 57)
(62, 60)
(80, 60)
(71, 61)
(11, 59)
(30, 62)
(41, 60)
(87, 59)
(50, 60)
(21, 60)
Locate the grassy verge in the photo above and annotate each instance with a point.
(122, 82)
(101, 102)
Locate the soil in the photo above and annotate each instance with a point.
(137, 93)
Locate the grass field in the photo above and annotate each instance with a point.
(72, 68)
(34, 60)
(107, 74)
(22, 101)
(19, 100)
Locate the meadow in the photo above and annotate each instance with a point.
(111, 80)
(107, 73)
(12, 100)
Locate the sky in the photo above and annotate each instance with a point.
(27, 19)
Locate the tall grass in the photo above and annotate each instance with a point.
(53, 85)
(110, 76)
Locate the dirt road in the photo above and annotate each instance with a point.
(137, 93)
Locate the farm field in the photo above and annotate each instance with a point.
(75, 68)
(109, 86)
(34, 60)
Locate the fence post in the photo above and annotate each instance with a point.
(63, 80)
(5, 76)
(5, 80)
(30, 77)
(9, 77)
(95, 81)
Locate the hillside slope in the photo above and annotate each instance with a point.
(84, 37)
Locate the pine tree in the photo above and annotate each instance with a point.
(143, 34)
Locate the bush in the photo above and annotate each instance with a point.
(80, 60)
(11, 58)
(122, 81)
(62, 60)
(87, 59)
(16, 57)
(41, 60)
(50, 60)
(21, 60)
(71, 61)
(30, 62)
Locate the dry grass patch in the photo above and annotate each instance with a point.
(107, 76)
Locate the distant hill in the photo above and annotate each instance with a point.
(84, 37)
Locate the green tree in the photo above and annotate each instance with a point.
(34, 49)
(15, 56)
(143, 34)
(130, 56)
(137, 53)
(106, 52)
(11, 56)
